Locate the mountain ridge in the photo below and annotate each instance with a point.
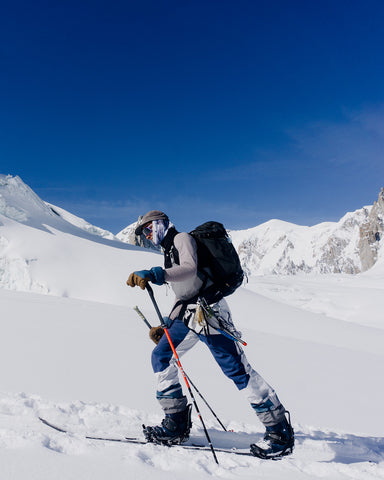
(352, 245)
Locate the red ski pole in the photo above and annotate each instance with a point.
(150, 291)
(141, 315)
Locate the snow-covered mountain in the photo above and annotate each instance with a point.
(36, 237)
(350, 245)
(19, 202)
(73, 350)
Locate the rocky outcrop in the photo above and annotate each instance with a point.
(371, 234)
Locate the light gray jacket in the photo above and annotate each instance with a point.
(184, 278)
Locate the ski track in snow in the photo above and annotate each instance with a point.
(318, 453)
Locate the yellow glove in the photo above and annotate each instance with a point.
(137, 280)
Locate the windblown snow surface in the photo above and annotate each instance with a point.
(73, 351)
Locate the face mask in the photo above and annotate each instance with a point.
(159, 230)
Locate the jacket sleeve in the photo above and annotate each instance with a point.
(187, 249)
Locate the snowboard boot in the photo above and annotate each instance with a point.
(278, 441)
(174, 429)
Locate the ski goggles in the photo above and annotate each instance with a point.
(147, 230)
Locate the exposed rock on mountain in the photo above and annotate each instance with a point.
(371, 234)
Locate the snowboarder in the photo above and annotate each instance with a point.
(189, 284)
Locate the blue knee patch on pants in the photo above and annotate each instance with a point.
(174, 391)
(263, 407)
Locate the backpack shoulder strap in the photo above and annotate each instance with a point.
(171, 255)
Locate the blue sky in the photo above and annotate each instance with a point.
(236, 111)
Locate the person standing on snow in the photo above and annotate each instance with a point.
(180, 270)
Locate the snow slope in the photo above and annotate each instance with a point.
(58, 253)
(73, 350)
(85, 365)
